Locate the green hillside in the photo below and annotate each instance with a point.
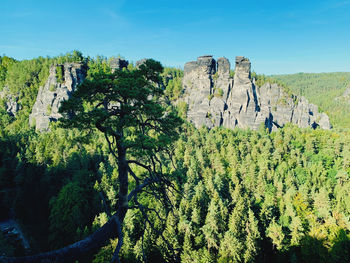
(324, 90)
(226, 195)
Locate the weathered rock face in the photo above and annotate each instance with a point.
(57, 89)
(214, 98)
(61, 83)
(118, 63)
(198, 85)
(11, 102)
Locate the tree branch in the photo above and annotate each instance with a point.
(105, 206)
(120, 242)
(139, 188)
(137, 179)
(140, 164)
(145, 216)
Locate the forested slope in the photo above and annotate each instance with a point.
(325, 90)
(237, 195)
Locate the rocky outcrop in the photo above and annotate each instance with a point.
(118, 63)
(62, 81)
(215, 98)
(346, 93)
(12, 105)
(345, 96)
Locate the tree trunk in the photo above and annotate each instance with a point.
(123, 169)
(80, 250)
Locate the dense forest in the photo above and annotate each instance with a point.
(235, 195)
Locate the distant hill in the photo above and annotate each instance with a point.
(327, 90)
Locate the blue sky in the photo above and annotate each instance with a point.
(278, 36)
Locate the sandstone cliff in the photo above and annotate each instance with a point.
(215, 98)
(11, 102)
(62, 81)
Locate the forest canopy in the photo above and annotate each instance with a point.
(235, 195)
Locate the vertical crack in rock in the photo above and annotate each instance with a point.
(215, 98)
(62, 82)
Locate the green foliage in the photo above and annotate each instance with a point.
(217, 92)
(5, 63)
(172, 81)
(220, 92)
(48, 110)
(59, 74)
(182, 109)
(106, 253)
(237, 195)
(138, 100)
(210, 97)
(23, 79)
(69, 211)
(128, 107)
(260, 80)
(254, 178)
(324, 90)
(74, 56)
(52, 88)
(215, 76)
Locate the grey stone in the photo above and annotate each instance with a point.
(324, 122)
(346, 93)
(11, 102)
(240, 102)
(198, 86)
(207, 64)
(118, 63)
(223, 66)
(53, 93)
(140, 62)
(190, 66)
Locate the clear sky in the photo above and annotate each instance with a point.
(278, 36)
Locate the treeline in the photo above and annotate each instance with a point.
(237, 195)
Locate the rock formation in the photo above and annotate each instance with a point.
(62, 81)
(11, 102)
(118, 63)
(215, 98)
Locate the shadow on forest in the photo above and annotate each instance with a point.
(313, 250)
(27, 189)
